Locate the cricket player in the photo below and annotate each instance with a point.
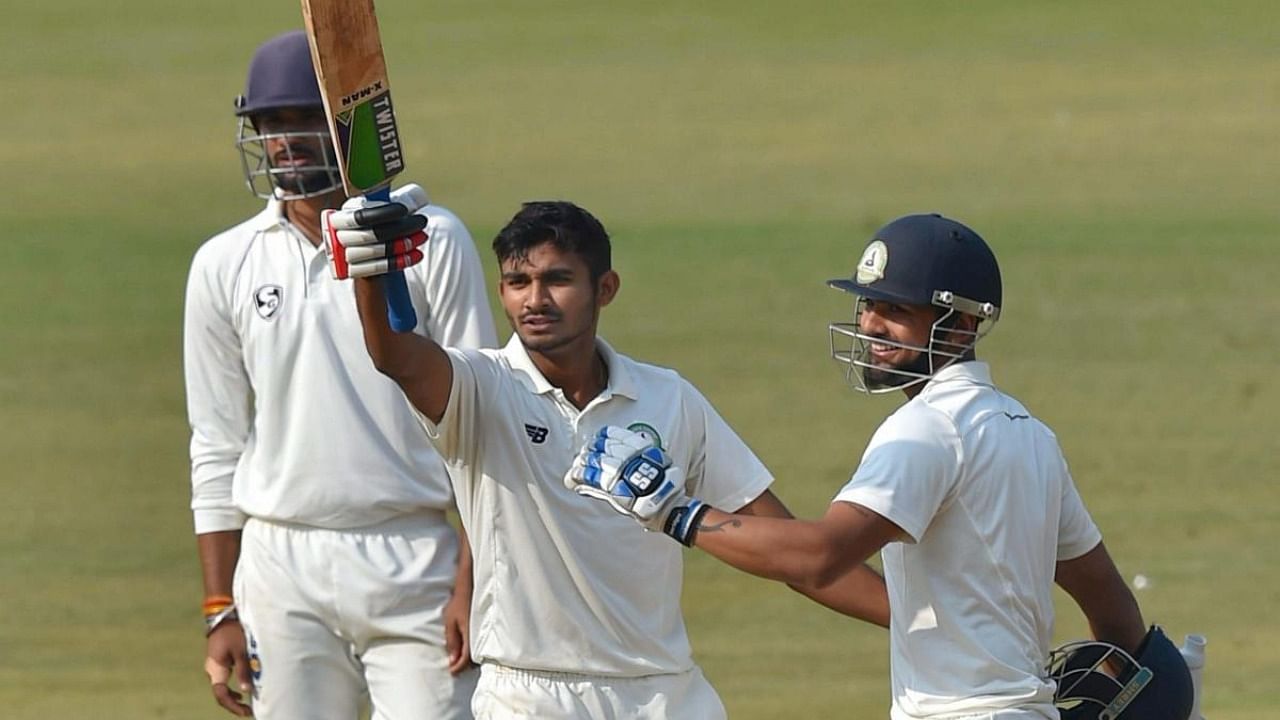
(576, 611)
(332, 577)
(963, 491)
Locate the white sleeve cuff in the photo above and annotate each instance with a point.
(208, 520)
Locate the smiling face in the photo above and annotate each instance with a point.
(896, 341)
(552, 302)
(899, 345)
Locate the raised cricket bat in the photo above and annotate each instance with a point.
(347, 53)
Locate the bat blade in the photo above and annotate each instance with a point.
(346, 49)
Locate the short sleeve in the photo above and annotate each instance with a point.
(456, 436)
(909, 470)
(1077, 533)
(724, 471)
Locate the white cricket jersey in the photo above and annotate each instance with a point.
(290, 421)
(562, 582)
(983, 491)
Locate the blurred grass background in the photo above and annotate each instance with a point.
(1120, 158)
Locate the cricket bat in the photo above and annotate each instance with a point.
(347, 53)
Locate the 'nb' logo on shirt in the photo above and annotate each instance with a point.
(537, 435)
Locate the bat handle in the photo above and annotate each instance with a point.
(399, 305)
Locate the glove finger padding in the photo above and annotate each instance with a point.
(400, 246)
(636, 478)
(381, 233)
(603, 456)
(629, 472)
(370, 268)
(621, 437)
(360, 213)
(369, 237)
(373, 250)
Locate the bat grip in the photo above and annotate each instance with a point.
(399, 305)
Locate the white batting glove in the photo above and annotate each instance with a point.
(371, 237)
(636, 478)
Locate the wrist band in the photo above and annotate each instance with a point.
(213, 619)
(214, 603)
(682, 523)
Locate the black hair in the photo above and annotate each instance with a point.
(568, 227)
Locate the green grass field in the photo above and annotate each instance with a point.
(1119, 157)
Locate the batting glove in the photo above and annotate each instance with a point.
(372, 238)
(637, 479)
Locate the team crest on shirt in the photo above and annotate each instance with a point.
(871, 266)
(647, 431)
(268, 299)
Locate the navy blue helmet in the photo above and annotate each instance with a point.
(291, 158)
(280, 76)
(927, 260)
(1099, 681)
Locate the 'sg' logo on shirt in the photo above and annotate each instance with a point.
(268, 300)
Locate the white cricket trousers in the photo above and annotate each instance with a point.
(505, 693)
(330, 615)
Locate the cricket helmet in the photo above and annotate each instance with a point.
(301, 162)
(1100, 681)
(924, 259)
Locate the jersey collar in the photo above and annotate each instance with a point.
(271, 216)
(620, 382)
(974, 372)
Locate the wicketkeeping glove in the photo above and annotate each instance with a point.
(372, 238)
(636, 478)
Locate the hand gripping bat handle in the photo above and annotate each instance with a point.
(399, 306)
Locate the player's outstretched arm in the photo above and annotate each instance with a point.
(365, 240)
(859, 593)
(815, 555)
(636, 478)
(418, 365)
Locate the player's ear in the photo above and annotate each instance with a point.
(607, 288)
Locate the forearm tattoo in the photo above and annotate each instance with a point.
(719, 527)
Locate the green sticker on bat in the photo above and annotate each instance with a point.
(369, 135)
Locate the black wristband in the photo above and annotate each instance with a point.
(682, 523)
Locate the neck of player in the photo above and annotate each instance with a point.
(304, 214)
(578, 369)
